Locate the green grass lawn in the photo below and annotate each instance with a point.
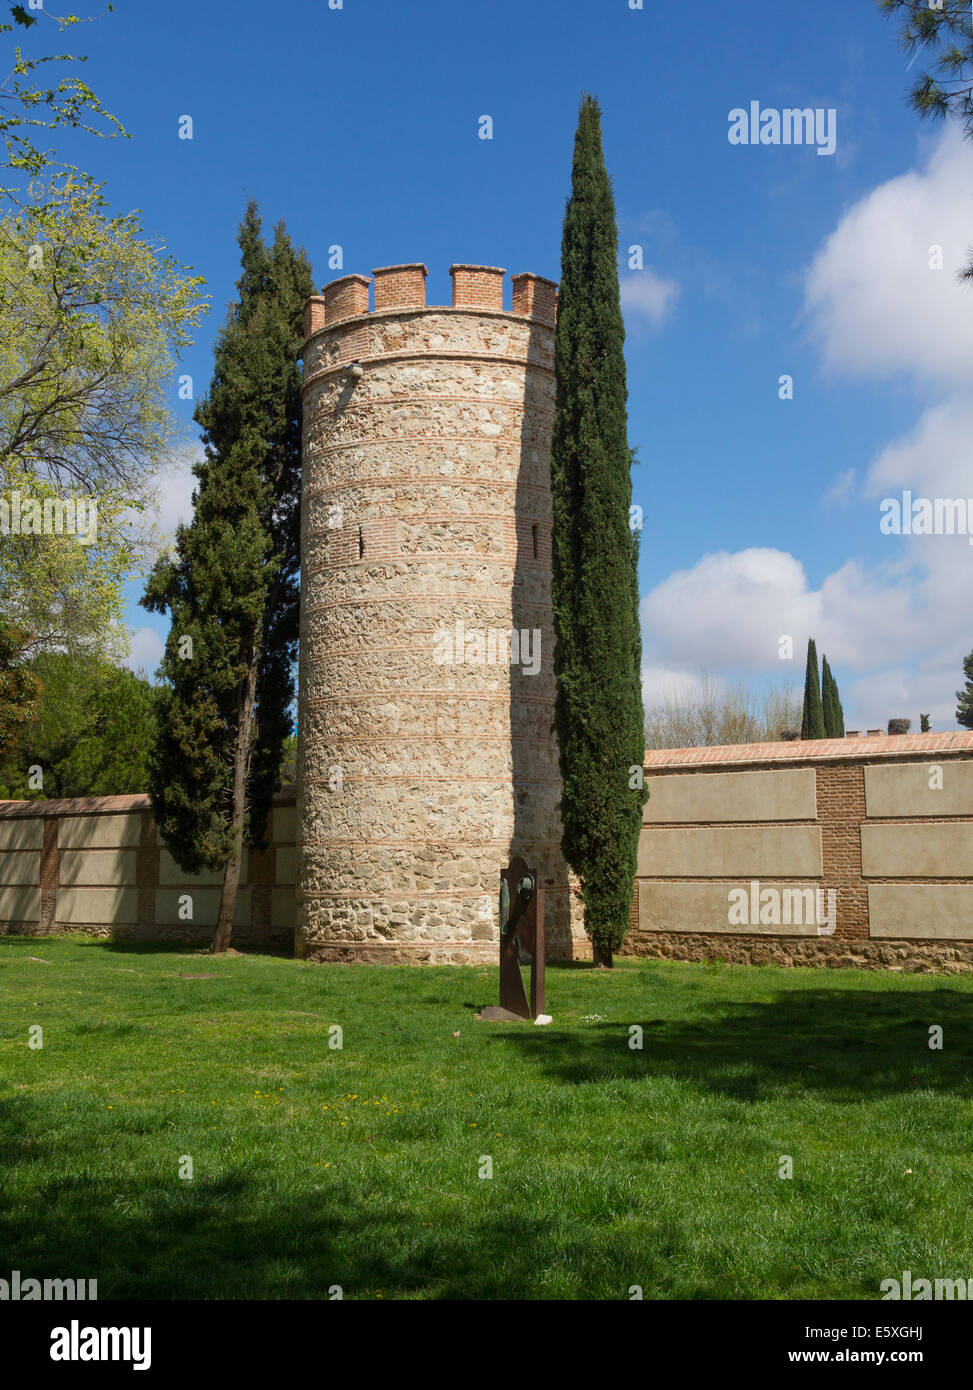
(612, 1167)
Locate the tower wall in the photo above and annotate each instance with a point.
(427, 505)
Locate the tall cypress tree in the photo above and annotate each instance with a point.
(597, 657)
(964, 707)
(834, 718)
(826, 704)
(232, 586)
(812, 718)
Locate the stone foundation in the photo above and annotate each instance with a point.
(920, 957)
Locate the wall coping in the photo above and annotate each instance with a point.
(103, 805)
(818, 750)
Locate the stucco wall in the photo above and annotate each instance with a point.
(885, 824)
(95, 865)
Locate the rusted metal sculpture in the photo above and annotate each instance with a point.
(521, 934)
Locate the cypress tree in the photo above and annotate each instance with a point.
(826, 696)
(839, 720)
(924, 725)
(812, 718)
(232, 585)
(597, 657)
(834, 718)
(964, 708)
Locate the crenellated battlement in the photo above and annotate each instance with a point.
(475, 287)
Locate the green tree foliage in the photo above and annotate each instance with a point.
(288, 766)
(964, 708)
(19, 688)
(942, 33)
(92, 320)
(27, 108)
(231, 586)
(597, 656)
(924, 724)
(812, 718)
(834, 717)
(89, 735)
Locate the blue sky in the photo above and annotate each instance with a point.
(359, 127)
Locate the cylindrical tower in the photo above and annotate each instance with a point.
(427, 685)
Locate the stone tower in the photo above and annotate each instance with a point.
(426, 684)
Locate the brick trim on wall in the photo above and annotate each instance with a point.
(50, 875)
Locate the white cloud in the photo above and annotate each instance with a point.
(936, 458)
(175, 491)
(648, 296)
(660, 681)
(728, 612)
(168, 499)
(874, 303)
(147, 649)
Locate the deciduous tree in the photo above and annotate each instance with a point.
(19, 688)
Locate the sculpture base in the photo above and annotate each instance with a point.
(494, 1014)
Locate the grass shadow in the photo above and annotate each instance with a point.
(857, 1044)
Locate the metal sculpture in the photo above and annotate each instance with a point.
(521, 934)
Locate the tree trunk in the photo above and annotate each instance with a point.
(241, 768)
(602, 957)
